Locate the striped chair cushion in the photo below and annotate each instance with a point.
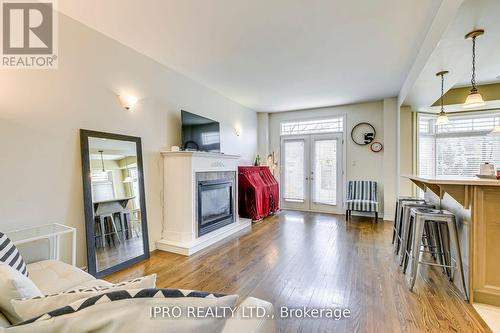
(10, 255)
(362, 195)
(362, 205)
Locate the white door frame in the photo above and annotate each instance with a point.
(340, 201)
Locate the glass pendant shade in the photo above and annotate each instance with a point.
(474, 100)
(442, 118)
(496, 131)
(128, 179)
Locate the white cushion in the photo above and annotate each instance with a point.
(93, 283)
(242, 322)
(133, 315)
(13, 284)
(28, 308)
(52, 276)
(4, 322)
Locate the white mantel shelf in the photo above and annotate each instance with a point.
(180, 225)
(188, 153)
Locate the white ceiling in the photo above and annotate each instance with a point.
(273, 55)
(112, 149)
(454, 53)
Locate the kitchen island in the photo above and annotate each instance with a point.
(476, 205)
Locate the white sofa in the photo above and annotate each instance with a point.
(51, 276)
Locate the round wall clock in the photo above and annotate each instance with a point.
(376, 147)
(363, 134)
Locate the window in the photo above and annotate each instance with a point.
(459, 147)
(102, 185)
(135, 187)
(209, 138)
(313, 126)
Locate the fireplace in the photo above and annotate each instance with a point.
(215, 204)
(200, 192)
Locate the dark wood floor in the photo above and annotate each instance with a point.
(300, 259)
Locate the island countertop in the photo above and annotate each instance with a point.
(454, 180)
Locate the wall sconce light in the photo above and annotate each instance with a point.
(237, 130)
(128, 101)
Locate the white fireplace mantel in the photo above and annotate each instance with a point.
(180, 223)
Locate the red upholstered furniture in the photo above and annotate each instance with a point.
(258, 192)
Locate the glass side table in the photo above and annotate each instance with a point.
(52, 232)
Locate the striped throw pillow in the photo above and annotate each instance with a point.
(10, 255)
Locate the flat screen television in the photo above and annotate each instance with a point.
(199, 133)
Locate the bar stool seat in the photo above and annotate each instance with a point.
(419, 217)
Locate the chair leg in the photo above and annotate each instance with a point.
(452, 227)
(395, 222)
(115, 231)
(418, 232)
(376, 217)
(407, 244)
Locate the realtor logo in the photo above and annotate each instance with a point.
(28, 34)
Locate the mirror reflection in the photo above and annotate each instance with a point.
(116, 201)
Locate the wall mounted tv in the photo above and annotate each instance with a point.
(199, 133)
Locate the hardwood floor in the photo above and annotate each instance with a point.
(301, 259)
(116, 253)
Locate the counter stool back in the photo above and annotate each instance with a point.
(396, 233)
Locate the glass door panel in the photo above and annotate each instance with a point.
(325, 172)
(294, 173)
(312, 177)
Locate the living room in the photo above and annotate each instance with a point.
(266, 159)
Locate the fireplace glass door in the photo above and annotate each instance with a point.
(215, 205)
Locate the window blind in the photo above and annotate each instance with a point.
(102, 185)
(459, 147)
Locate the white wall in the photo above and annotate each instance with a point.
(263, 135)
(361, 162)
(390, 166)
(41, 112)
(406, 152)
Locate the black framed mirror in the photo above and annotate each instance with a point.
(114, 201)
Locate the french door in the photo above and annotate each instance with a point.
(312, 172)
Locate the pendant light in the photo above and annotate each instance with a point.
(442, 117)
(474, 99)
(127, 179)
(496, 131)
(95, 176)
(102, 160)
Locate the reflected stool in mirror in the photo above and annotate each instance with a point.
(419, 218)
(104, 231)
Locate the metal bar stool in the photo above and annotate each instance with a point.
(406, 207)
(396, 233)
(104, 230)
(419, 217)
